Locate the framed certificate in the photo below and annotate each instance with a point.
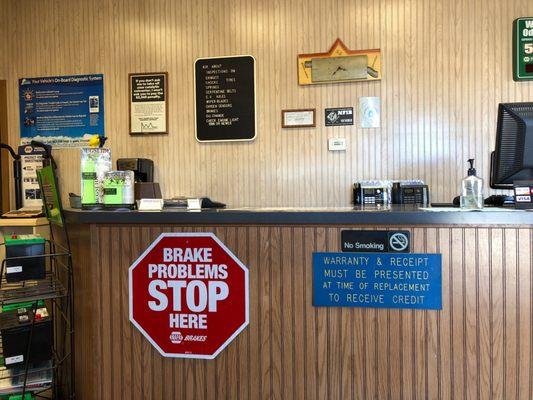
(304, 118)
(148, 103)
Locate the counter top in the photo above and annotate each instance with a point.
(393, 215)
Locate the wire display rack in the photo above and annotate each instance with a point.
(53, 379)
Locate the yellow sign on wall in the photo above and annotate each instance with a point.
(339, 64)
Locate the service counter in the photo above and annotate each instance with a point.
(479, 345)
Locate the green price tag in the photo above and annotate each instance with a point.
(523, 49)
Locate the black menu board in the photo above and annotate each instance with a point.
(225, 98)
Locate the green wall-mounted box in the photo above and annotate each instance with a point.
(523, 49)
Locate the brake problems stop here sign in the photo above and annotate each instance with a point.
(188, 295)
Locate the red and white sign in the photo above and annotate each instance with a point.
(189, 295)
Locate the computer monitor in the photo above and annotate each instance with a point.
(512, 159)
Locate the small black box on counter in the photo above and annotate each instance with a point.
(371, 193)
(410, 193)
(15, 327)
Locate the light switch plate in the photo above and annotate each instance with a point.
(337, 144)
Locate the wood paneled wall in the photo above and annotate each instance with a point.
(446, 66)
(480, 346)
(3, 42)
(5, 158)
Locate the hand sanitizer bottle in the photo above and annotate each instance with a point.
(472, 189)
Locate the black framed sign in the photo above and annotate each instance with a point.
(148, 103)
(338, 116)
(225, 98)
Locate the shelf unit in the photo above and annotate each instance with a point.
(56, 290)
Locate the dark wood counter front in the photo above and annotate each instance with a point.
(479, 346)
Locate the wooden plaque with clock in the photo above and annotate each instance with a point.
(339, 64)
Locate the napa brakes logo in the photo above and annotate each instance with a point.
(177, 338)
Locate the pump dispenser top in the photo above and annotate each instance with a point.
(471, 170)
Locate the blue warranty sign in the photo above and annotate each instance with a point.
(380, 280)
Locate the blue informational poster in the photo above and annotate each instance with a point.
(377, 280)
(64, 111)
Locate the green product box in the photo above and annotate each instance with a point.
(95, 162)
(119, 189)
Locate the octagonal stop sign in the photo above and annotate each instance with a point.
(188, 295)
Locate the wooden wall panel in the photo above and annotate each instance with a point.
(3, 43)
(478, 346)
(5, 158)
(446, 66)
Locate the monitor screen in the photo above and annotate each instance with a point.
(512, 159)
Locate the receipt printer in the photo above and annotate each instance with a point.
(143, 168)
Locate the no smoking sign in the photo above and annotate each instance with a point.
(398, 241)
(382, 241)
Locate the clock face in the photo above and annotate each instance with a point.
(339, 68)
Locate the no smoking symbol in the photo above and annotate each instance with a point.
(399, 242)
